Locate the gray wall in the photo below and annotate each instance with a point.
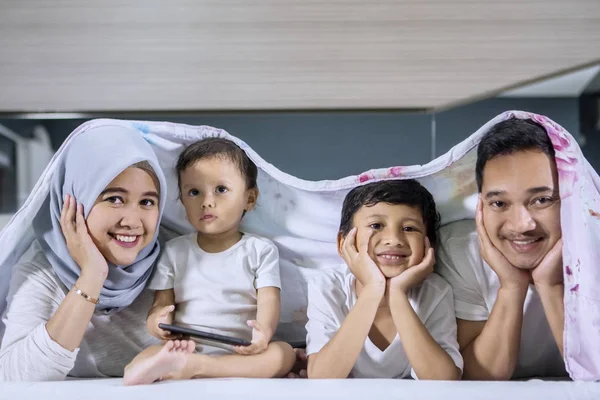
(454, 125)
(8, 177)
(320, 145)
(592, 150)
(589, 109)
(330, 145)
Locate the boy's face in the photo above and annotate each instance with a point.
(398, 240)
(214, 194)
(521, 206)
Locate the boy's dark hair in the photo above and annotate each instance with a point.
(401, 192)
(508, 137)
(217, 147)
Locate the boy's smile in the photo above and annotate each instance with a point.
(392, 258)
(398, 239)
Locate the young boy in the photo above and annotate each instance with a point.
(216, 279)
(389, 317)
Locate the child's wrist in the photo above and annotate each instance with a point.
(372, 291)
(375, 287)
(268, 336)
(399, 294)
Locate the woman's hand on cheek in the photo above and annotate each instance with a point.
(79, 242)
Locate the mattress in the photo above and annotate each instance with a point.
(235, 388)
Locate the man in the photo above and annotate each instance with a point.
(506, 266)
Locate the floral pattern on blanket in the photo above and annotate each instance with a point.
(580, 198)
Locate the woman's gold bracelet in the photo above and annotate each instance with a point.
(84, 295)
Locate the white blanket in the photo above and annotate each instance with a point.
(301, 217)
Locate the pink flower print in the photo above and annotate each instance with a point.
(575, 288)
(567, 177)
(566, 154)
(551, 127)
(395, 172)
(560, 139)
(594, 213)
(365, 177)
(568, 270)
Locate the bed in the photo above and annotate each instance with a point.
(223, 389)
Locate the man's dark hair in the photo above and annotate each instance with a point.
(217, 147)
(508, 137)
(401, 192)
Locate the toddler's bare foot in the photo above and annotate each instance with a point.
(171, 359)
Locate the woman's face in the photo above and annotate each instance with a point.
(124, 217)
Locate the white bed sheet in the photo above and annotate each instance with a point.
(225, 389)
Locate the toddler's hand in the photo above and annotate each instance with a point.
(260, 340)
(162, 316)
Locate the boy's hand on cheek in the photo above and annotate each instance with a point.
(414, 275)
(360, 262)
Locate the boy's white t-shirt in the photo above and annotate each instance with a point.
(217, 292)
(475, 287)
(331, 296)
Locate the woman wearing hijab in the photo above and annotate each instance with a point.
(77, 302)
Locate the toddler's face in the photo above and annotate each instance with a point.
(214, 194)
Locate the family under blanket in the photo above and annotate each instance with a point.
(476, 299)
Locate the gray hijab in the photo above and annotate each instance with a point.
(89, 163)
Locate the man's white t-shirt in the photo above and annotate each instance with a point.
(217, 292)
(475, 287)
(331, 296)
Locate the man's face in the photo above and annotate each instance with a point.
(521, 206)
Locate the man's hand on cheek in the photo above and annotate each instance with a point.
(550, 271)
(510, 276)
